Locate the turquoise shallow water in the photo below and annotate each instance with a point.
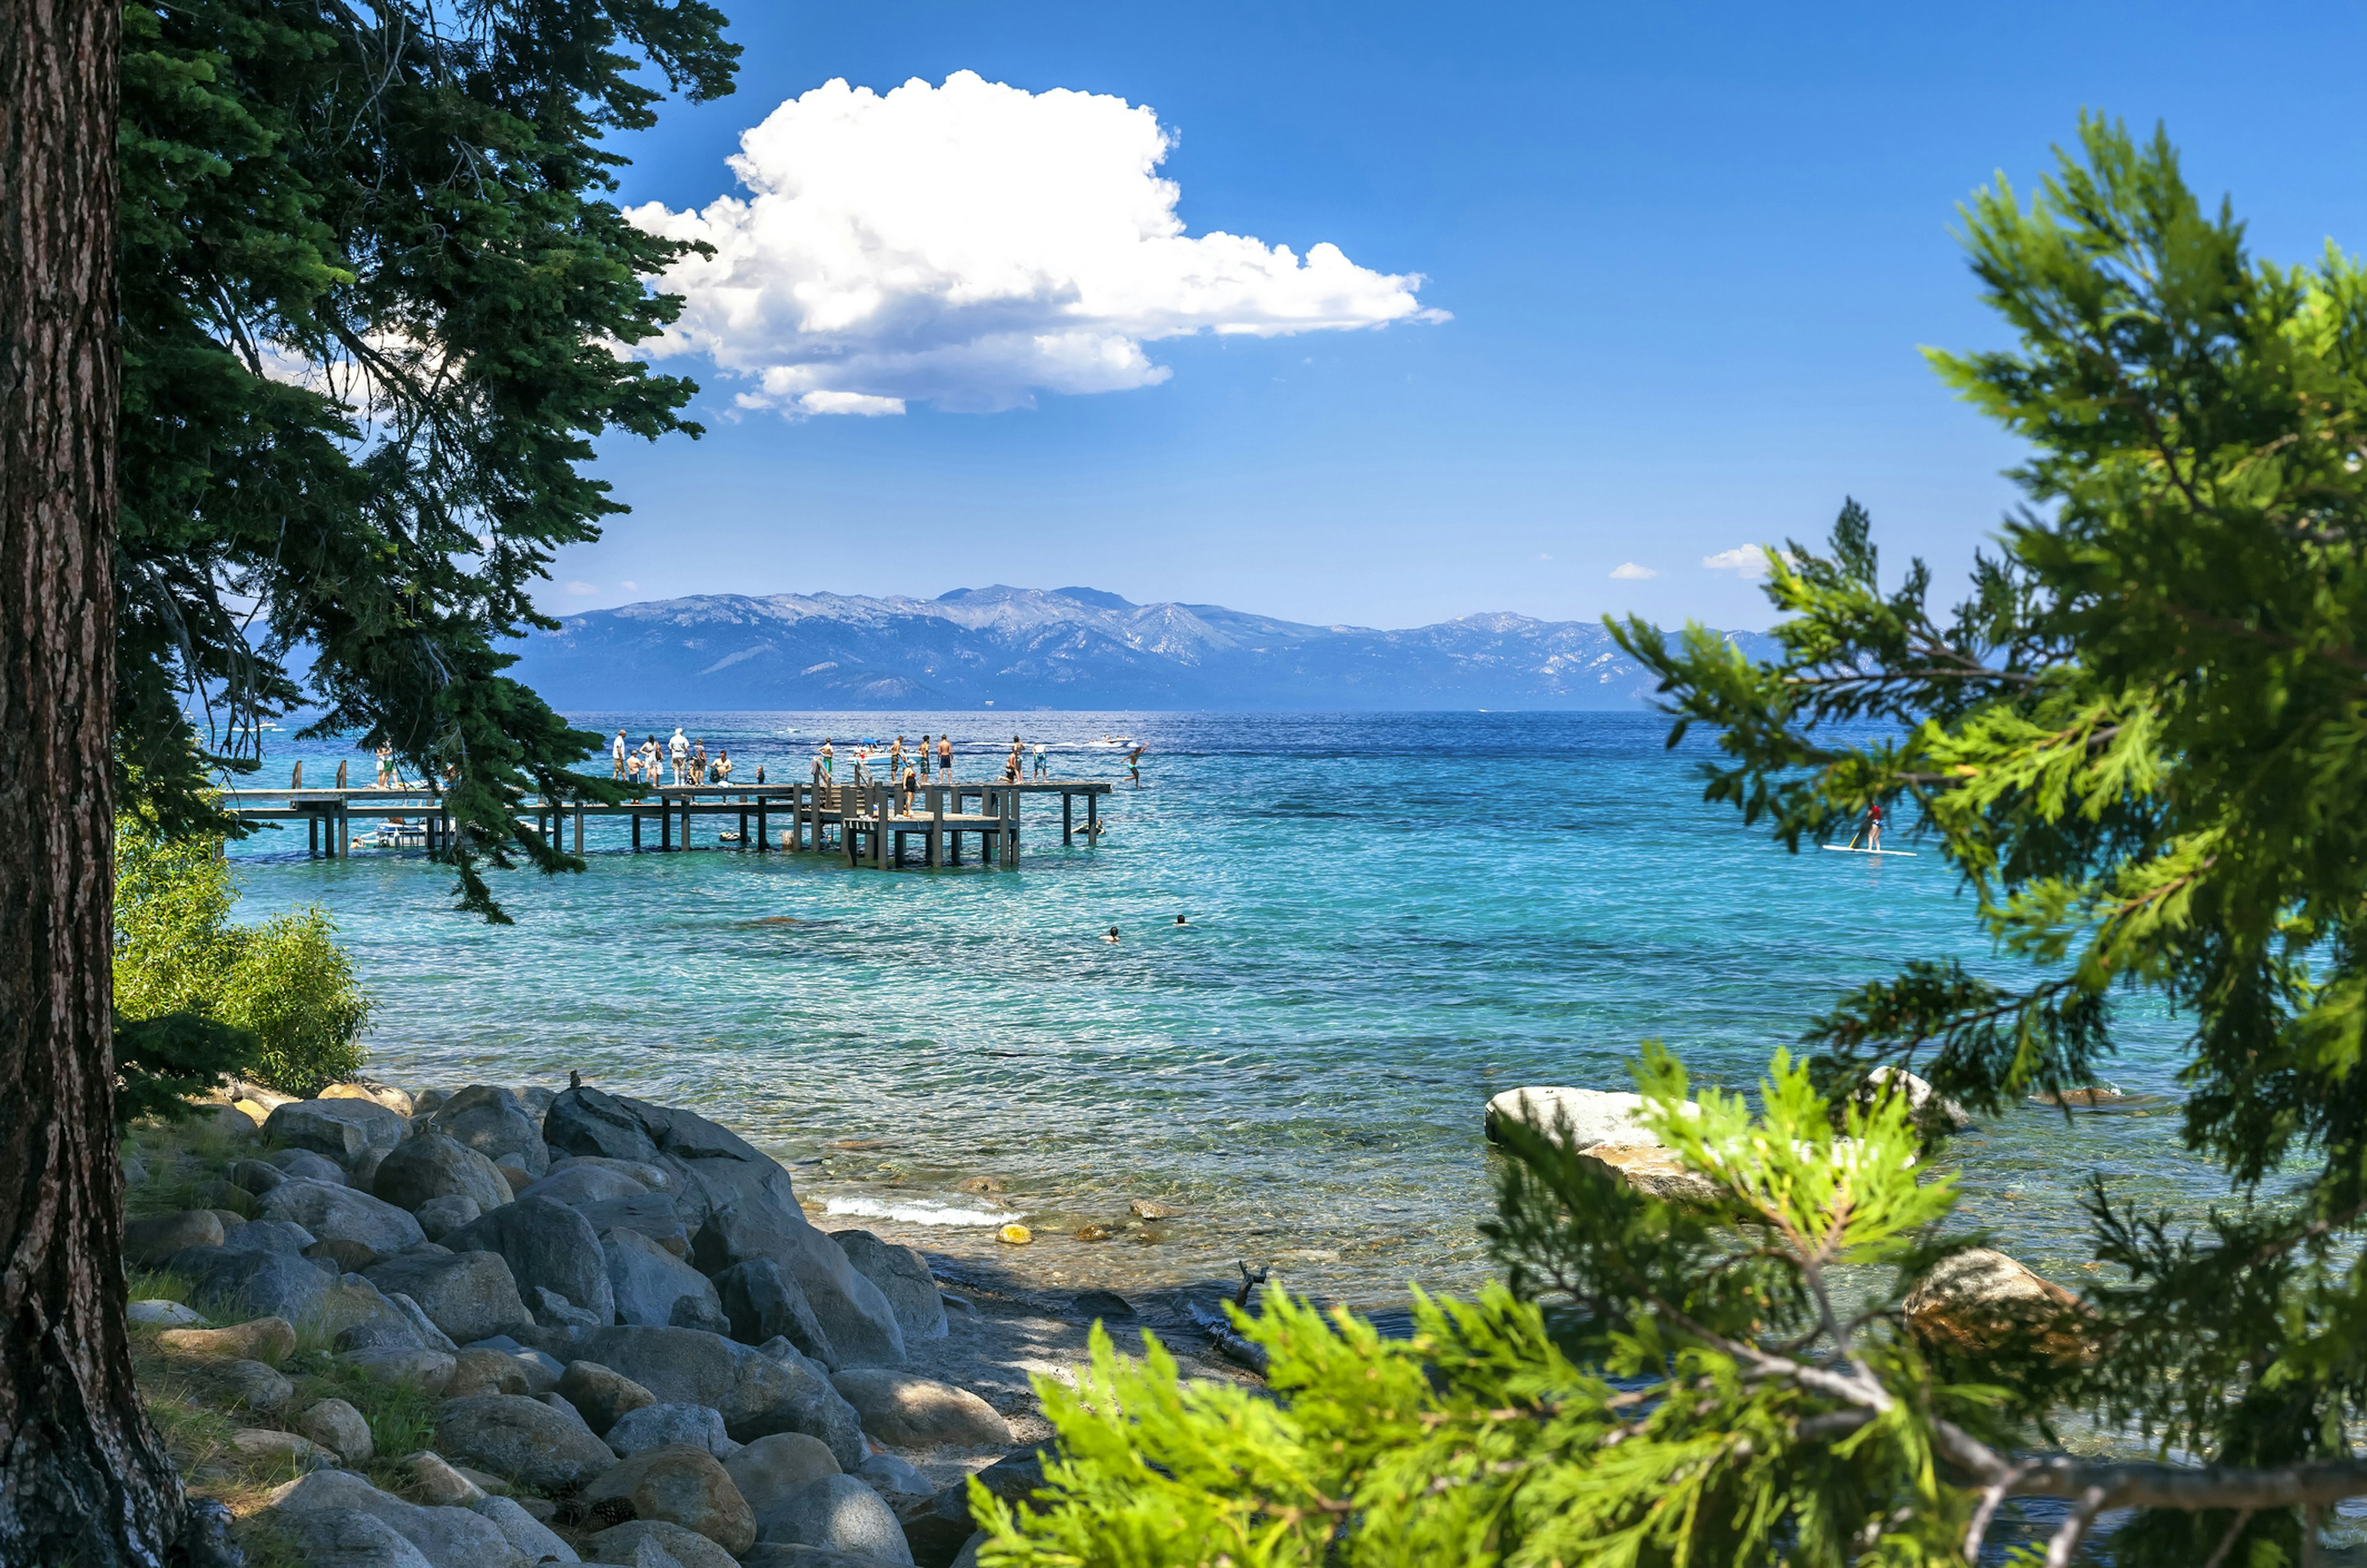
(1393, 917)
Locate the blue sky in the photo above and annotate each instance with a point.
(1689, 254)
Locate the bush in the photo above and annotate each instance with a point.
(294, 987)
(198, 997)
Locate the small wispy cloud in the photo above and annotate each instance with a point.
(583, 588)
(1750, 560)
(631, 587)
(1629, 571)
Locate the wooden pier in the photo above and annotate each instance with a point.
(868, 824)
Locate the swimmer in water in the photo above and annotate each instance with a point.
(1182, 922)
(1112, 936)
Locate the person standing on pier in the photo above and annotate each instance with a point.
(827, 757)
(678, 752)
(385, 764)
(895, 759)
(651, 774)
(911, 790)
(616, 756)
(1039, 759)
(925, 759)
(946, 757)
(723, 765)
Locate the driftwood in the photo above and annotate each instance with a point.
(1226, 1338)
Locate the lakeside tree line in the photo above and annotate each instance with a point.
(305, 327)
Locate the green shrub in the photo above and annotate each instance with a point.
(294, 987)
(198, 997)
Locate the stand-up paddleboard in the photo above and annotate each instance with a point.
(1853, 850)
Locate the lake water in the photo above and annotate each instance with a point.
(1392, 918)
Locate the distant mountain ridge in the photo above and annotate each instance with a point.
(1064, 648)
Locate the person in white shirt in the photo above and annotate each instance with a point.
(678, 748)
(616, 756)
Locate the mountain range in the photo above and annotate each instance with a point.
(1064, 648)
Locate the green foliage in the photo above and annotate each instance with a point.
(1658, 1384)
(199, 999)
(368, 341)
(294, 990)
(2141, 738)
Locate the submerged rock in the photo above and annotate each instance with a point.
(1932, 1112)
(1978, 1299)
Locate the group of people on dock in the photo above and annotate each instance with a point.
(909, 770)
(646, 764)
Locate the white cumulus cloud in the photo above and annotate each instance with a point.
(973, 244)
(1750, 560)
(1628, 571)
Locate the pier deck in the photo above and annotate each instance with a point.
(861, 823)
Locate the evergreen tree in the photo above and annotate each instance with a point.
(2142, 737)
(372, 328)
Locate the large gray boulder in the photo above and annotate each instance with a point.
(340, 1214)
(583, 1182)
(757, 1394)
(909, 1412)
(302, 1164)
(537, 1541)
(903, 1277)
(433, 1165)
(654, 1287)
(662, 1425)
(762, 1303)
(939, 1526)
(663, 1542)
(677, 1484)
(745, 1208)
(492, 1122)
(157, 1237)
(440, 1217)
(342, 1537)
(839, 1513)
(468, 1295)
(258, 1284)
(269, 1236)
(655, 1214)
(546, 1244)
(340, 1130)
(447, 1538)
(522, 1439)
(771, 1470)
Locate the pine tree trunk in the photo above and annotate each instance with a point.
(83, 1477)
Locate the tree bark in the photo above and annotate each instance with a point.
(83, 1478)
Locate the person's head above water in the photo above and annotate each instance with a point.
(1182, 922)
(1113, 934)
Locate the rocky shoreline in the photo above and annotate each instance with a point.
(619, 1334)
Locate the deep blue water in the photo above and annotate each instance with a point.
(1392, 918)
